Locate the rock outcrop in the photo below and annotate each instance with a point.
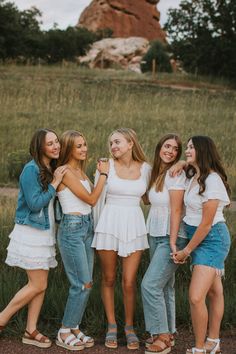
(126, 18)
(124, 53)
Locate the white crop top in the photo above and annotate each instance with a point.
(215, 189)
(70, 203)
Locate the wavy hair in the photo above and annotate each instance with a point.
(207, 160)
(37, 152)
(130, 135)
(160, 168)
(67, 141)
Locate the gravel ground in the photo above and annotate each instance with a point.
(183, 341)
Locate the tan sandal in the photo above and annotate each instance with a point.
(86, 340)
(30, 339)
(161, 345)
(195, 350)
(70, 342)
(153, 337)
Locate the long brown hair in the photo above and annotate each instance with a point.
(67, 141)
(160, 168)
(130, 135)
(207, 160)
(37, 152)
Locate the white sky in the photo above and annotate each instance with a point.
(66, 12)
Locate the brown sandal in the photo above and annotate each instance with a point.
(161, 345)
(153, 337)
(30, 338)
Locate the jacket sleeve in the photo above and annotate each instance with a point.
(34, 195)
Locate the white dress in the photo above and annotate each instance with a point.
(32, 248)
(121, 225)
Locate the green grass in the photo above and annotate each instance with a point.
(11, 279)
(96, 102)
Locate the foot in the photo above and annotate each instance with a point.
(196, 350)
(153, 337)
(212, 345)
(67, 340)
(37, 339)
(132, 339)
(86, 340)
(161, 345)
(111, 336)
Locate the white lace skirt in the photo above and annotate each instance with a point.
(121, 229)
(32, 248)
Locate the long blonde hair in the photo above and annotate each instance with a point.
(130, 135)
(67, 141)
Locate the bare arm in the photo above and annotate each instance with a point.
(76, 187)
(208, 214)
(176, 207)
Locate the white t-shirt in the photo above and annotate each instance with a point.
(215, 189)
(158, 221)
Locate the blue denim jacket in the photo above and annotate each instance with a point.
(32, 205)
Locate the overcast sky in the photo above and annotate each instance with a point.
(66, 12)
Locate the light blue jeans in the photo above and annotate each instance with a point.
(75, 236)
(158, 291)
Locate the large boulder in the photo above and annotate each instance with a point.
(126, 18)
(125, 53)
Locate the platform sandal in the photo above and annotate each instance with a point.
(153, 337)
(131, 338)
(216, 346)
(111, 336)
(30, 339)
(70, 342)
(195, 350)
(86, 340)
(161, 345)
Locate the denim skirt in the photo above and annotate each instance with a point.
(213, 250)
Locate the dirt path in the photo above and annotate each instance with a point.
(12, 193)
(183, 341)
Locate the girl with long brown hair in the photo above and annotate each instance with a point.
(205, 197)
(32, 241)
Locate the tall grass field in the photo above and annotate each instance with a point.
(96, 103)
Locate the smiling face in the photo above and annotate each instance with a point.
(169, 151)
(119, 146)
(51, 147)
(190, 153)
(79, 150)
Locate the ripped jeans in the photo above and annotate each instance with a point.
(75, 236)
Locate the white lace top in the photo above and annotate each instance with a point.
(158, 221)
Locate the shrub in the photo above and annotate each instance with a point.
(157, 51)
(15, 163)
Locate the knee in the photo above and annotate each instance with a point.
(39, 288)
(195, 299)
(213, 293)
(108, 282)
(87, 286)
(128, 285)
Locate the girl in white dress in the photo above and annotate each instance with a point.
(121, 229)
(32, 241)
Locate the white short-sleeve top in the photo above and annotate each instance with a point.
(158, 221)
(215, 189)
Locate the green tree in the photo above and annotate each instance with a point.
(203, 36)
(157, 52)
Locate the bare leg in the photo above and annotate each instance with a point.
(202, 279)
(216, 310)
(130, 266)
(108, 261)
(37, 284)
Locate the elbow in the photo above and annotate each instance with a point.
(206, 227)
(92, 202)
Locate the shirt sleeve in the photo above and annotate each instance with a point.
(147, 169)
(36, 198)
(215, 189)
(177, 182)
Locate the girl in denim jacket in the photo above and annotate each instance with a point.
(32, 240)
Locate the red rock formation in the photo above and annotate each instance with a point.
(126, 18)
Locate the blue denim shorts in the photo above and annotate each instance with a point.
(213, 250)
